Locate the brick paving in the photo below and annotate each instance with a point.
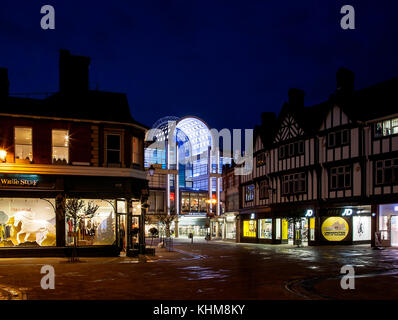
(213, 270)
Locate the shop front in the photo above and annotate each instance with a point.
(387, 225)
(230, 225)
(345, 225)
(223, 226)
(36, 220)
(197, 224)
(294, 225)
(260, 227)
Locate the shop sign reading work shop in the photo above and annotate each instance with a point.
(335, 229)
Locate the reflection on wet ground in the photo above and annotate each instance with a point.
(214, 270)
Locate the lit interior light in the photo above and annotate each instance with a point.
(3, 155)
(396, 208)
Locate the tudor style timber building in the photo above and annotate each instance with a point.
(330, 169)
(76, 143)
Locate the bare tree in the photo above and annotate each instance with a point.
(166, 220)
(76, 212)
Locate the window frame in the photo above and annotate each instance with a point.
(249, 194)
(260, 159)
(393, 167)
(107, 149)
(15, 144)
(337, 173)
(383, 128)
(263, 189)
(294, 183)
(52, 145)
(335, 138)
(138, 154)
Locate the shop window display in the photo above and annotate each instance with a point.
(97, 230)
(26, 223)
(361, 228)
(278, 229)
(249, 228)
(387, 223)
(265, 228)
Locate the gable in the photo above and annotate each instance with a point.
(258, 144)
(336, 117)
(288, 129)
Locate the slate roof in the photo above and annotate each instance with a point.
(88, 105)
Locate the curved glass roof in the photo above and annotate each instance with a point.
(190, 130)
(198, 134)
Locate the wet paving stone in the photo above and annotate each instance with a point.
(214, 270)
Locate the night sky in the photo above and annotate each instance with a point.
(224, 61)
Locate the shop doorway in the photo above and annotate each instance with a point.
(394, 231)
(298, 231)
(122, 233)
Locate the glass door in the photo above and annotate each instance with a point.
(122, 232)
(394, 231)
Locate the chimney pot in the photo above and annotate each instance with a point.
(345, 80)
(73, 72)
(296, 97)
(4, 83)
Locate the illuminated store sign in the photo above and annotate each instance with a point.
(19, 180)
(335, 229)
(347, 212)
(309, 213)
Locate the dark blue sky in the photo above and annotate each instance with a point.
(224, 61)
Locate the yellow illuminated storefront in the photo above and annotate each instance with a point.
(250, 228)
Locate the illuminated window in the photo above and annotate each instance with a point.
(386, 128)
(250, 228)
(260, 159)
(249, 192)
(136, 151)
(113, 148)
(60, 145)
(23, 143)
(265, 229)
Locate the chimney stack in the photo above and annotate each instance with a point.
(73, 72)
(296, 98)
(345, 80)
(268, 119)
(4, 83)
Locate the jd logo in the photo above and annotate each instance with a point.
(347, 281)
(48, 281)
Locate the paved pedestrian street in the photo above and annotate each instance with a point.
(210, 270)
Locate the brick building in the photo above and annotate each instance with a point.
(75, 143)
